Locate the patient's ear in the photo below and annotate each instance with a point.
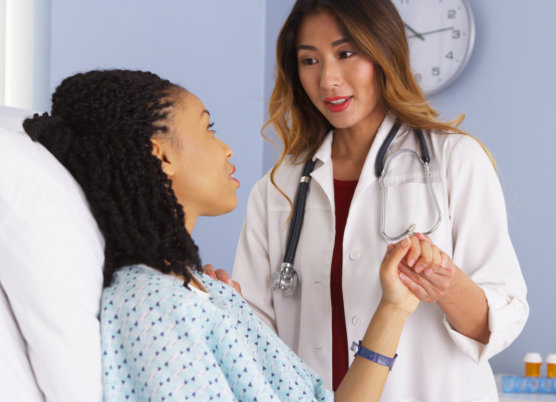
(163, 150)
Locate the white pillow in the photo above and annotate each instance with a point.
(51, 257)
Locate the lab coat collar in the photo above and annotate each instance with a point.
(323, 173)
(324, 153)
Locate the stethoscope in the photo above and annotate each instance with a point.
(286, 280)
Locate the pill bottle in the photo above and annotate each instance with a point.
(551, 365)
(533, 362)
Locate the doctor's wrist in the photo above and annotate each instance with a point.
(455, 289)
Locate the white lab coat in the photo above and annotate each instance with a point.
(435, 363)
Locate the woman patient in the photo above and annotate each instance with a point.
(144, 151)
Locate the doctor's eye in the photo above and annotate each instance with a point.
(308, 61)
(344, 54)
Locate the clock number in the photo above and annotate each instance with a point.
(456, 34)
(436, 71)
(452, 14)
(450, 55)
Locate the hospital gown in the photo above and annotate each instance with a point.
(162, 341)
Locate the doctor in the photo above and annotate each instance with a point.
(343, 79)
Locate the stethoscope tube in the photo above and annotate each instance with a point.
(379, 161)
(298, 212)
(286, 280)
(380, 171)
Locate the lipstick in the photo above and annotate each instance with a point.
(337, 103)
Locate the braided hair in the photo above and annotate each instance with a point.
(100, 129)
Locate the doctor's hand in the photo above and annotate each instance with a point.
(394, 292)
(221, 276)
(423, 256)
(430, 271)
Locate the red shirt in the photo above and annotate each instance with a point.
(343, 193)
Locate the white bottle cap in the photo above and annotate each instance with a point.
(551, 358)
(532, 358)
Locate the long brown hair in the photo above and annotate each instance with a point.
(376, 29)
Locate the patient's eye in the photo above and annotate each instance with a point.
(210, 127)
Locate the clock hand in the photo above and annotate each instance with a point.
(436, 30)
(415, 33)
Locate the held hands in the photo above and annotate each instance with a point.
(431, 276)
(394, 292)
(221, 276)
(426, 271)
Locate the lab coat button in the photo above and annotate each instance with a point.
(354, 254)
(356, 320)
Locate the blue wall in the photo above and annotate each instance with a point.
(224, 51)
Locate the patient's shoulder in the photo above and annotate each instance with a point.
(148, 296)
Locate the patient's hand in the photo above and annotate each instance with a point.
(222, 276)
(395, 284)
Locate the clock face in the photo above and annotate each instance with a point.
(441, 34)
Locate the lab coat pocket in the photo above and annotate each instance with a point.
(409, 202)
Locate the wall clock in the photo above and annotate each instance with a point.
(441, 35)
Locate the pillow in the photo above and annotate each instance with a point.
(51, 257)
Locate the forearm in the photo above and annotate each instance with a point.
(466, 308)
(365, 379)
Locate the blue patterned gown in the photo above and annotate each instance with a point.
(163, 342)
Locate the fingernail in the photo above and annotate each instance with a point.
(428, 272)
(403, 276)
(418, 269)
(405, 242)
(410, 262)
(443, 263)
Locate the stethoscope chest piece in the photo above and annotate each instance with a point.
(285, 280)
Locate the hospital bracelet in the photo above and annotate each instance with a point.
(373, 356)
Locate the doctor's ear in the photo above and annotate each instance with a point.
(162, 150)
